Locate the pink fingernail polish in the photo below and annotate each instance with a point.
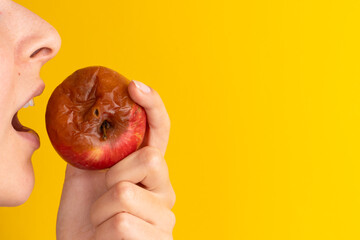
(141, 86)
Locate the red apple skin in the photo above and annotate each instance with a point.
(77, 113)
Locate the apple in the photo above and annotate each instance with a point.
(91, 120)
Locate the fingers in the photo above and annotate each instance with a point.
(126, 226)
(130, 198)
(139, 197)
(157, 116)
(146, 166)
(139, 185)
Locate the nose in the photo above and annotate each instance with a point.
(38, 41)
(42, 46)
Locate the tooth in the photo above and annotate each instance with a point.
(30, 103)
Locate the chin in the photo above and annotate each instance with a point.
(18, 186)
(21, 196)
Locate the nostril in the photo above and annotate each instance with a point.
(41, 52)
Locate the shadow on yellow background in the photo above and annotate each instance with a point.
(264, 103)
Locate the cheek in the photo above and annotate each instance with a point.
(7, 81)
(16, 171)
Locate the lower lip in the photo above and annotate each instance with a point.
(31, 137)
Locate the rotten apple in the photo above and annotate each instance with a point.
(92, 121)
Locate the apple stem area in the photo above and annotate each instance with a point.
(105, 125)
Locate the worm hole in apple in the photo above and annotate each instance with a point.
(105, 125)
(96, 112)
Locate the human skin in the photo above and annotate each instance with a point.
(22, 33)
(131, 200)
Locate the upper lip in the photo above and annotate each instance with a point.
(38, 91)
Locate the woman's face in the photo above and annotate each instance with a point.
(26, 43)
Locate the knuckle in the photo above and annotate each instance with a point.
(122, 224)
(172, 198)
(167, 123)
(172, 220)
(123, 193)
(152, 158)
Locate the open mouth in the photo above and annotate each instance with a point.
(17, 125)
(15, 120)
(25, 132)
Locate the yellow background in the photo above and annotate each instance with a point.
(264, 98)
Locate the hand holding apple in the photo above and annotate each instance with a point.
(132, 199)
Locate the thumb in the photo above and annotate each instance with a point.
(157, 117)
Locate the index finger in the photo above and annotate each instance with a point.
(146, 167)
(157, 117)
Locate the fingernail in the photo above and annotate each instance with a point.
(142, 86)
